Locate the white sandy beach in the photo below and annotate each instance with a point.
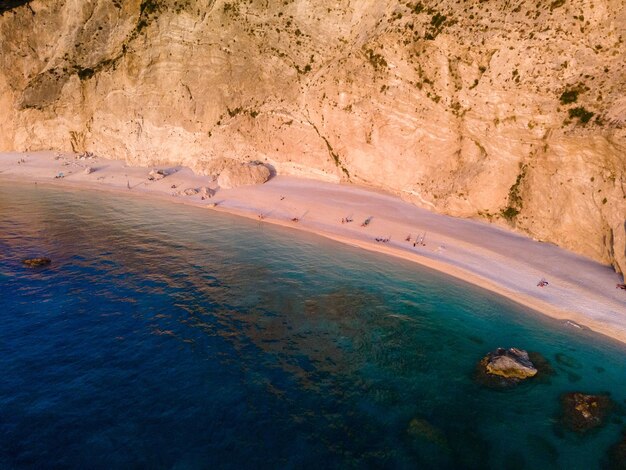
(581, 292)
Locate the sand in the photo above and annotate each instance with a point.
(582, 293)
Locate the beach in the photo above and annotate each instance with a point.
(580, 292)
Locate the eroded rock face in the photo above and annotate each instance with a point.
(505, 367)
(7, 5)
(582, 412)
(243, 175)
(511, 113)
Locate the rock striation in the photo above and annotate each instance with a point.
(514, 113)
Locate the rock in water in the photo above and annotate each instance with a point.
(36, 262)
(583, 412)
(421, 429)
(243, 175)
(617, 455)
(505, 367)
(511, 363)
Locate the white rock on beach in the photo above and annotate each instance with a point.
(205, 191)
(243, 175)
(190, 192)
(156, 175)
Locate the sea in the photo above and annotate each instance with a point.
(165, 336)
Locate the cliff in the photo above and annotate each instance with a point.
(510, 111)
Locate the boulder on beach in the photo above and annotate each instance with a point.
(190, 192)
(243, 174)
(505, 367)
(582, 412)
(156, 175)
(86, 156)
(36, 262)
(205, 192)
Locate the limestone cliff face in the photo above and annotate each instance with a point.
(510, 111)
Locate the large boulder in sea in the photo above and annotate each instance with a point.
(243, 174)
(505, 367)
(582, 412)
(37, 262)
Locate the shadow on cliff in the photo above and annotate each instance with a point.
(272, 170)
(6, 5)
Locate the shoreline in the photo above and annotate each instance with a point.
(581, 293)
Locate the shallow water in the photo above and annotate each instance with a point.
(168, 336)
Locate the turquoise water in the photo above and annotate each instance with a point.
(165, 336)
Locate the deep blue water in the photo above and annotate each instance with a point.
(165, 336)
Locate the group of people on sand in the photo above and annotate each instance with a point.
(544, 283)
(419, 240)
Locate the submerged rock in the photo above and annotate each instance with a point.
(243, 175)
(582, 412)
(567, 361)
(36, 262)
(505, 367)
(421, 429)
(617, 455)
